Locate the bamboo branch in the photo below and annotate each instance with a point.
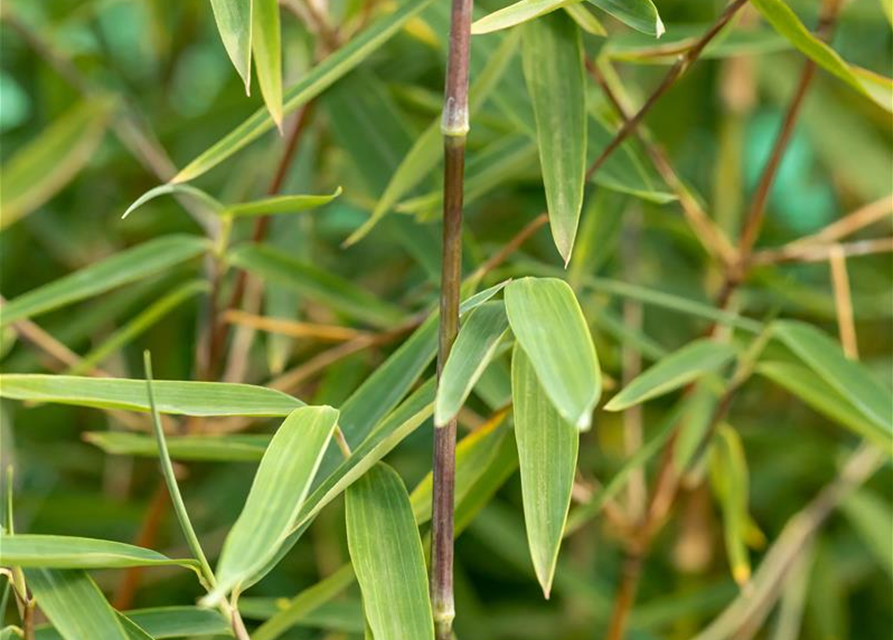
(843, 302)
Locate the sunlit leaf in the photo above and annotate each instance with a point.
(280, 204)
(641, 15)
(729, 477)
(266, 44)
(68, 552)
(547, 452)
(517, 13)
(386, 552)
(547, 322)
(552, 53)
(234, 25)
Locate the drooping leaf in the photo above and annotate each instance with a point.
(641, 15)
(280, 486)
(74, 604)
(233, 19)
(178, 397)
(824, 356)
(877, 88)
(266, 44)
(387, 556)
(48, 162)
(552, 54)
(122, 268)
(547, 453)
(174, 189)
(547, 322)
(280, 204)
(229, 448)
(475, 346)
(311, 85)
(729, 477)
(164, 622)
(694, 360)
(515, 14)
(585, 19)
(69, 552)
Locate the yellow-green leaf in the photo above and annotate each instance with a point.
(729, 477)
(280, 204)
(266, 44)
(233, 19)
(69, 552)
(547, 452)
(387, 557)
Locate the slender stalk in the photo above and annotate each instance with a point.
(455, 129)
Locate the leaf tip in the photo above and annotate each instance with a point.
(741, 574)
(659, 28)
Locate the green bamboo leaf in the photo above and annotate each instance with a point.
(547, 452)
(138, 325)
(277, 494)
(315, 284)
(69, 552)
(317, 80)
(266, 44)
(547, 322)
(280, 204)
(473, 350)
(641, 15)
(585, 19)
(175, 189)
(813, 390)
(164, 622)
(515, 14)
(49, 161)
(186, 398)
(122, 268)
(387, 556)
(872, 518)
(74, 604)
(824, 356)
(233, 19)
(699, 409)
(877, 88)
(208, 448)
(552, 55)
(694, 360)
(729, 478)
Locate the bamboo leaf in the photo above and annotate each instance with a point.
(698, 412)
(872, 519)
(694, 360)
(68, 552)
(74, 604)
(174, 396)
(209, 448)
(585, 19)
(315, 284)
(515, 14)
(547, 452)
(48, 162)
(813, 390)
(547, 322)
(877, 88)
(173, 189)
(280, 204)
(473, 350)
(641, 15)
(729, 477)
(233, 19)
(266, 44)
(386, 552)
(824, 356)
(317, 80)
(552, 54)
(122, 268)
(282, 483)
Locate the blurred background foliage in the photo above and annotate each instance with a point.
(162, 64)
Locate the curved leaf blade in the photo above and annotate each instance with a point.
(547, 453)
(266, 44)
(387, 556)
(549, 325)
(164, 622)
(69, 552)
(517, 13)
(172, 189)
(641, 15)
(280, 204)
(689, 363)
(552, 56)
(233, 19)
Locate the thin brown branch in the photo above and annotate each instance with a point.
(849, 224)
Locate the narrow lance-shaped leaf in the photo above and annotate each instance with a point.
(74, 604)
(311, 85)
(164, 622)
(547, 452)
(641, 15)
(175, 189)
(229, 448)
(517, 13)
(282, 483)
(549, 325)
(553, 68)
(728, 472)
(280, 204)
(266, 43)
(68, 552)
(824, 356)
(122, 268)
(689, 363)
(387, 556)
(475, 346)
(233, 19)
(177, 397)
(47, 163)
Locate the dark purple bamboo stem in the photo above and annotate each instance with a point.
(455, 128)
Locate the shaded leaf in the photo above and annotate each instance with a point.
(552, 54)
(547, 453)
(68, 552)
(641, 15)
(280, 204)
(547, 322)
(122, 268)
(229, 448)
(729, 478)
(872, 519)
(689, 363)
(233, 19)
(386, 552)
(173, 189)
